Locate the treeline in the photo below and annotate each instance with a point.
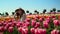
(53, 11)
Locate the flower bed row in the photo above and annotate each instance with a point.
(50, 25)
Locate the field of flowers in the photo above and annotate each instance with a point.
(32, 25)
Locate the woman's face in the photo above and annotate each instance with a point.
(19, 12)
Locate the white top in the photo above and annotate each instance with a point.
(22, 18)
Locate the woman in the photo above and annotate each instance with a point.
(20, 14)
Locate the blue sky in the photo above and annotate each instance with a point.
(31, 5)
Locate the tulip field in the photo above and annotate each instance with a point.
(32, 25)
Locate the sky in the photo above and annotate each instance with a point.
(31, 5)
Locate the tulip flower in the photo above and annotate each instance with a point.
(5, 28)
(53, 16)
(33, 23)
(17, 25)
(47, 20)
(10, 29)
(37, 24)
(1, 28)
(14, 22)
(41, 19)
(55, 31)
(28, 20)
(42, 31)
(45, 24)
(37, 16)
(26, 24)
(24, 30)
(4, 24)
(32, 30)
(36, 31)
(9, 24)
(20, 29)
(56, 22)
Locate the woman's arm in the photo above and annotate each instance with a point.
(23, 17)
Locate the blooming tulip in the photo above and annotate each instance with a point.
(1, 29)
(53, 16)
(41, 19)
(56, 22)
(37, 24)
(17, 25)
(24, 30)
(55, 32)
(20, 29)
(32, 30)
(33, 23)
(42, 31)
(28, 20)
(26, 24)
(36, 31)
(45, 24)
(10, 29)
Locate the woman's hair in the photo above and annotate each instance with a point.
(20, 9)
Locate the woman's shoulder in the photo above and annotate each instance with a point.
(23, 17)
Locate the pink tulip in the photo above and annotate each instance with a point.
(48, 20)
(32, 30)
(5, 28)
(20, 29)
(33, 23)
(0, 24)
(36, 31)
(24, 30)
(17, 25)
(56, 22)
(41, 19)
(45, 24)
(53, 16)
(9, 24)
(4, 24)
(28, 20)
(26, 24)
(42, 31)
(37, 24)
(14, 22)
(55, 32)
(37, 16)
(10, 29)
(1, 28)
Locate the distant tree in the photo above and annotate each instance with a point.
(54, 10)
(51, 11)
(30, 13)
(44, 11)
(0, 13)
(13, 13)
(37, 12)
(6, 13)
(58, 10)
(27, 11)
